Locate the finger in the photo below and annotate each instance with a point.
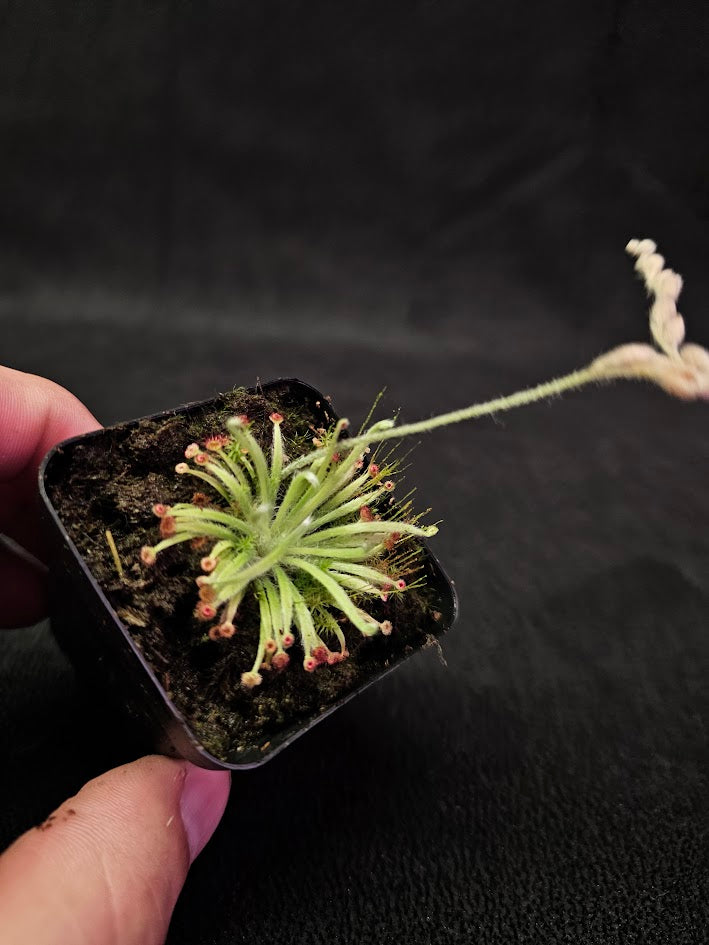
(106, 868)
(35, 414)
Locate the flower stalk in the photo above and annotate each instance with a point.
(316, 536)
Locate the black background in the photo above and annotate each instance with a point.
(434, 196)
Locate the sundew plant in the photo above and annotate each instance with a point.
(318, 538)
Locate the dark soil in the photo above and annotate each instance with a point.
(110, 481)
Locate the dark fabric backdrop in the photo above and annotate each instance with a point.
(433, 196)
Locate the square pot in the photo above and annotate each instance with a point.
(132, 644)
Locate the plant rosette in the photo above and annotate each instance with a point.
(237, 569)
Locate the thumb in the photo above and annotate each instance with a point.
(107, 866)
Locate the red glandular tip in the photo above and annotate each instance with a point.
(310, 664)
(226, 629)
(320, 654)
(276, 417)
(207, 593)
(386, 627)
(191, 451)
(373, 470)
(288, 640)
(241, 420)
(270, 646)
(400, 584)
(215, 443)
(168, 526)
(159, 509)
(334, 658)
(147, 556)
(181, 469)
(208, 564)
(198, 543)
(201, 459)
(205, 611)
(251, 679)
(200, 500)
(280, 661)
(366, 514)
(389, 485)
(213, 633)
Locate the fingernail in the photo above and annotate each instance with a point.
(204, 797)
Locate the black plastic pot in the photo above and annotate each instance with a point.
(104, 651)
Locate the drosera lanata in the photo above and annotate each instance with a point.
(304, 542)
(316, 539)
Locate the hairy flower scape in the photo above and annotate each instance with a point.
(317, 537)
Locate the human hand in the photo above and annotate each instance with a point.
(106, 868)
